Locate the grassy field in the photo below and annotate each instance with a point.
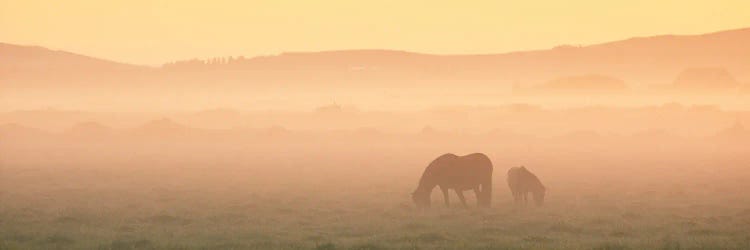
(86, 197)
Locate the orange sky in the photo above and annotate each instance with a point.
(152, 32)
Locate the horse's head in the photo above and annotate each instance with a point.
(539, 195)
(421, 199)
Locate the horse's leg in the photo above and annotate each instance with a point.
(524, 196)
(519, 198)
(445, 197)
(461, 197)
(478, 195)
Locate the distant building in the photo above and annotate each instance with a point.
(329, 109)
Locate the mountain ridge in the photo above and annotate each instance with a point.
(4, 45)
(648, 60)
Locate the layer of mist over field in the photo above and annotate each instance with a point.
(642, 144)
(335, 176)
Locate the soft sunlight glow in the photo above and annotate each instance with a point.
(153, 32)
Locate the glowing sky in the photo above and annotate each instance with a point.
(152, 32)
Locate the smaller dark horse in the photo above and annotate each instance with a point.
(460, 173)
(521, 182)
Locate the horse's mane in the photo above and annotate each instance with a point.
(430, 169)
(531, 177)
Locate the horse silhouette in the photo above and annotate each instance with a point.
(460, 173)
(521, 182)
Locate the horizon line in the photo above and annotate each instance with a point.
(413, 52)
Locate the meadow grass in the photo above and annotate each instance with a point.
(142, 212)
(212, 198)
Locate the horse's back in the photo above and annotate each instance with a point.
(476, 164)
(477, 160)
(468, 163)
(446, 157)
(461, 171)
(514, 177)
(520, 179)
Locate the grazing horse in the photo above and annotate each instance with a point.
(460, 173)
(522, 182)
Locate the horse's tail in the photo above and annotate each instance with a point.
(486, 191)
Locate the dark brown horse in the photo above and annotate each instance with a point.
(460, 173)
(521, 182)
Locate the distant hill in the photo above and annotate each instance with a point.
(89, 130)
(12, 131)
(38, 63)
(706, 78)
(583, 84)
(642, 60)
(737, 132)
(161, 127)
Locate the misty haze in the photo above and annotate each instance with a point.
(627, 141)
